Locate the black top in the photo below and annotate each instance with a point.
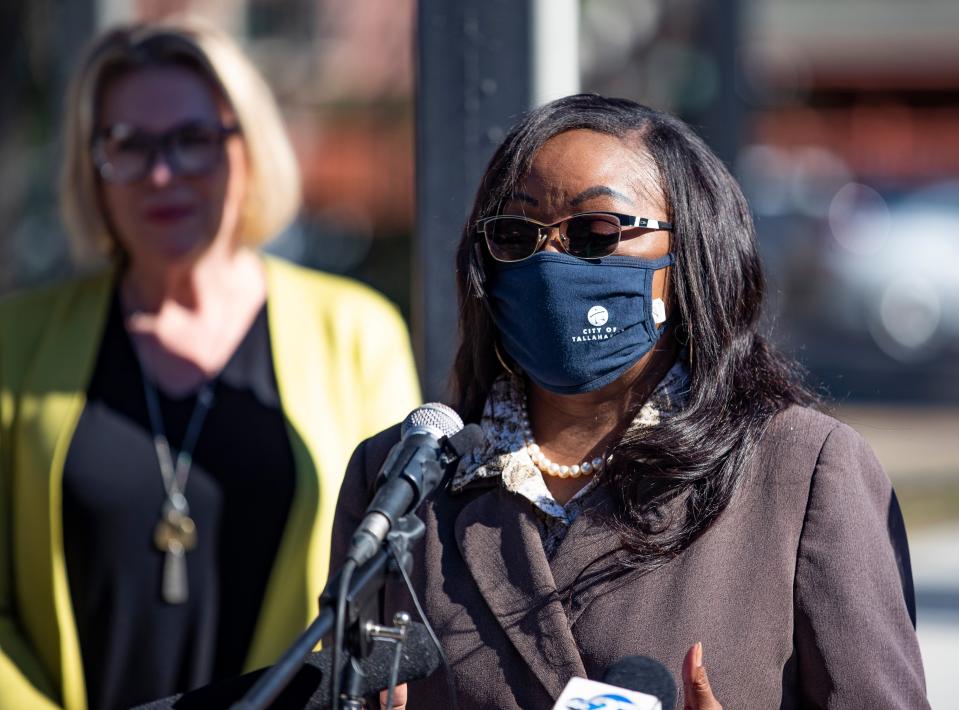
(135, 646)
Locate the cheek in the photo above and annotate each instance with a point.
(216, 198)
(118, 208)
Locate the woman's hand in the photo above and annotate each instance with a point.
(696, 691)
(399, 698)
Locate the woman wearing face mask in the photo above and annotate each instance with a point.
(175, 426)
(653, 480)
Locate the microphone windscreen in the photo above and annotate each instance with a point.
(467, 439)
(434, 416)
(644, 675)
(310, 687)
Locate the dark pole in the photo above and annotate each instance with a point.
(721, 119)
(473, 79)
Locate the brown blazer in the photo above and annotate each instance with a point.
(798, 592)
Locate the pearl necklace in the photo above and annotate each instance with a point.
(551, 468)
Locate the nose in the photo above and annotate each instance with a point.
(160, 171)
(553, 241)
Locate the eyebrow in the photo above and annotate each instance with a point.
(588, 193)
(599, 191)
(523, 197)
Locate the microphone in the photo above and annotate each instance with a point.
(632, 683)
(644, 675)
(310, 687)
(413, 468)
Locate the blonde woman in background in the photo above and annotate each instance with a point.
(174, 428)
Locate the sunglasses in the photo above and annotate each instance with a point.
(124, 154)
(588, 235)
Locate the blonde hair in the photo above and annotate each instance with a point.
(273, 190)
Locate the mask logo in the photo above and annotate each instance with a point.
(597, 315)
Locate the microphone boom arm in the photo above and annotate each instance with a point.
(363, 608)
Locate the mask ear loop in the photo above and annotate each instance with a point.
(481, 294)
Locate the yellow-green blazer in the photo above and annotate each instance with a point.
(344, 371)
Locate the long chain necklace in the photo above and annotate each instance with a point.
(175, 533)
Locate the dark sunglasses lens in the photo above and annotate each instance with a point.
(196, 149)
(592, 236)
(510, 239)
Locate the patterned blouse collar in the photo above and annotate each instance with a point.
(503, 453)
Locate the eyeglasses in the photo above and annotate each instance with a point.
(589, 235)
(124, 154)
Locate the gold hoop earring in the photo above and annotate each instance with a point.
(502, 361)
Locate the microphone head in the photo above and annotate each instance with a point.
(418, 659)
(644, 675)
(434, 417)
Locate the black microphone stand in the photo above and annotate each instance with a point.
(364, 607)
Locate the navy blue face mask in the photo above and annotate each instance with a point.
(574, 325)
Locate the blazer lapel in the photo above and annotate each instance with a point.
(51, 401)
(589, 560)
(300, 361)
(499, 540)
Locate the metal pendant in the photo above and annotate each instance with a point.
(174, 535)
(174, 587)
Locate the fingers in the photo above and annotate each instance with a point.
(399, 698)
(696, 691)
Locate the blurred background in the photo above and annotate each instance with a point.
(839, 117)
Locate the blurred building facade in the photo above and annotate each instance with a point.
(844, 137)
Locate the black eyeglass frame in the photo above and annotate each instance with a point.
(626, 221)
(155, 145)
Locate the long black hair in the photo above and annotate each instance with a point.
(670, 481)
